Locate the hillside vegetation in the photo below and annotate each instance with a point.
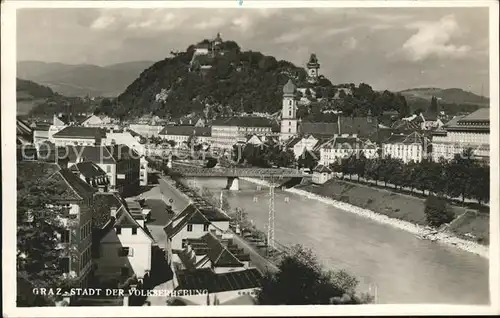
(37, 100)
(239, 82)
(82, 79)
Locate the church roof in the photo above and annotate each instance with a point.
(313, 60)
(289, 87)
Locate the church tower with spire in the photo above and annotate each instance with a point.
(313, 69)
(289, 120)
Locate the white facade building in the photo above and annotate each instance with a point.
(343, 146)
(460, 133)
(301, 144)
(413, 147)
(228, 132)
(125, 247)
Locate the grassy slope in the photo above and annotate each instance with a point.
(400, 206)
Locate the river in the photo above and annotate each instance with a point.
(401, 268)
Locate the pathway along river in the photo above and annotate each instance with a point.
(402, 268)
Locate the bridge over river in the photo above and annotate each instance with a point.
(233, 173)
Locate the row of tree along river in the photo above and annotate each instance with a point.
(389, 262)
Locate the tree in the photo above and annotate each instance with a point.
(211, 162)
(38, 231)
(308, 160)
(480, 178)
(301, 280)
(434, 105)
(437, 211)
(360, 166)
(404, 109)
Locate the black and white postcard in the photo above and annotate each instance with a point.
(250, 157)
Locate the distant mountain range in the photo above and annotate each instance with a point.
(448, 95)
(82, 79)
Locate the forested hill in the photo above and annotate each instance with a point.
(36, 100)
(237, 81)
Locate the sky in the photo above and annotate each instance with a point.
(387, 48)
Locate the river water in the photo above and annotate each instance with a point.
(392, 263)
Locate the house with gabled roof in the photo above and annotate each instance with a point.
(120, 162)
(92, 174)
(122, 243)
(212, 251)
(321, 174)
(238, 287)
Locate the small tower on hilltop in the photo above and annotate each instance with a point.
(313, 69)
(216, 44)
(288, 112)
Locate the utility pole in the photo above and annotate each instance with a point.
(270, 225)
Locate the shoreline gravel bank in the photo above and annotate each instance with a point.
(441, 237)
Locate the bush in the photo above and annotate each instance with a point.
(437, 211)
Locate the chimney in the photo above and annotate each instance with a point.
(113, 211)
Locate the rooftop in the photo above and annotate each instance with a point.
(72, 187)
(88, 169)
(250, 121)
(205, 278)
(289, 88)
(81, 132)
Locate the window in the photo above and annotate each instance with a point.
(190, 228)
(290, 102)
(205, 227)
(108, 168)
(124, 251)
(290, 112)
(65, 236)
(64, 264)
(184, 243)
(118, 230)
(134, 231)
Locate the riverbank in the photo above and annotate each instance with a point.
(420, 230)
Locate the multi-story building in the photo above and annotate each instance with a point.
(227, 132)
(413, 147)
(73, 208)
(92, 174)
(121, 164)
(344, 146)
(463, 132)
(123, 245)
(181, 134)
(78, 136)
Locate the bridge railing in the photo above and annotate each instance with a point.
(237, 172)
